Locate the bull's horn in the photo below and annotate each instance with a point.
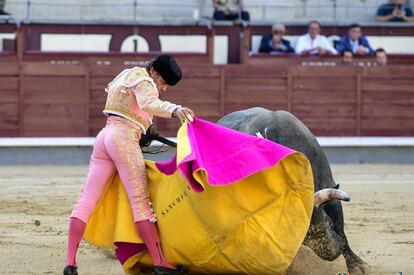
(328, 194)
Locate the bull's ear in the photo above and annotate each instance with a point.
(337, 186)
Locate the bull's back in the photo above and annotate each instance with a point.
(241, 120)
(284, 128)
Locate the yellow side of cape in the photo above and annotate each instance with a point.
(253, 226)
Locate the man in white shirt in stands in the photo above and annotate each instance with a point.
(313, 43)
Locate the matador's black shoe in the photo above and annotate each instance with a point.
(160, 270)
(70, 270)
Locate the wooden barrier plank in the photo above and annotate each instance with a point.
(194, 90)
(390, 84)
(9, 68)
(205, 109)
(385, 110)
(388, 132)
(86, 90)
(9, 126)
(44, 83)
(233, 107)
(388, 97)
(58, 124)
(97, 122)
(256, 98)
(236, 84)
(325, 110)
(95, 109)
(327, 83)
(9, 82)
(46, 69)
(68, 132)
(358, 95)
(49, 110)
(9, 115)
(21, 92)
(100, 82)
(323, 97)
(9, 96)
(109, 71)
(97, 97)
(324, 71)
(402, 124)
(9, 109)
(9, 132)
(329, 126)
(393, 72)
(254, 71)
(262, 91)
(189, 97)
(54, 90)
(9, 122)
(200, 70)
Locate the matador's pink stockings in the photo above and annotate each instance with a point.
(76, 229)
(149, 234)
(146, 229)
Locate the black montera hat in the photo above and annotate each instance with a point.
(168, 68)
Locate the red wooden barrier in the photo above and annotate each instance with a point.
(9, 99)
(41, 99)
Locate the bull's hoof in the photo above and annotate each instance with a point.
(359, 267)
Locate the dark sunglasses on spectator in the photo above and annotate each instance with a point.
(278, 32)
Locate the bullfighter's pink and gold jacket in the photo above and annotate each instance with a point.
(133, 95)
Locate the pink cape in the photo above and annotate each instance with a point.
(225, 155)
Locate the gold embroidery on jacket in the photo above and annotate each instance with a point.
(120, 99)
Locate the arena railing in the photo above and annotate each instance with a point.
(45, 99)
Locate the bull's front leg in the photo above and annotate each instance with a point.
(322, 238)
(354, 263)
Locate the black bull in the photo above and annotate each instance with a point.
(326, 236)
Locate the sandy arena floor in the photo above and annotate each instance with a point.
(37, 200)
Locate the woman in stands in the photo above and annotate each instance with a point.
(132, 101)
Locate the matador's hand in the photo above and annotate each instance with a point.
(184, 114)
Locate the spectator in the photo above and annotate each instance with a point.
(347, 57)
(274, 43)
(355, 41)
(396, 11)
(313, 43)
(2, 12)
(381, 57)
(230, 10)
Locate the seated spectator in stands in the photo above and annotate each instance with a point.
(355, 41)
(2, 12)
(381, 57)
(347, 57)
(230, 10)
(313, 43)
(396, 11)
(274, 43)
